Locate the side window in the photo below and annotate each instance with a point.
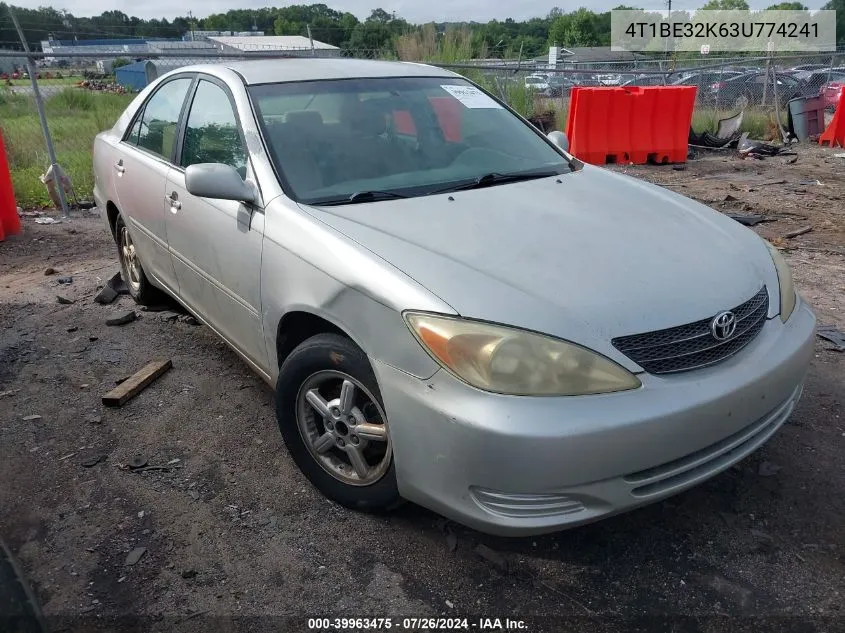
(211, 134)
(157, 126)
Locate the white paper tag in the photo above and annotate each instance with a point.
(471, 97)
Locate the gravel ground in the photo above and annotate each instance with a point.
(236, 539)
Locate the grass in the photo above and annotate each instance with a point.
(75, 116)
(63, 81)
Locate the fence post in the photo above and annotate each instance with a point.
(39, 105)
(311, 38)
(716, 96)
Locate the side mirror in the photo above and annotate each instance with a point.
(559, 139)
(218, 181)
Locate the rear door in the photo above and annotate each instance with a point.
(215, 245)
(145, 156)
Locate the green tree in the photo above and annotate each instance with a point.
(839, 7)
(579, 28)
(787, 6)
(725, 5)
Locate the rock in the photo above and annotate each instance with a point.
(123, 319)
(30, 418)
(117, 284)
(93, 419)
(106, 296)
(63, 301)
(768, 469)
(450, 604)
(194, 495)
(50, 271)
(168, 317)
(93, 461)
(64, 281)
(189, 573)
(135, 555)
(72, 328)
(188, 319)
(492, 557)
(138, 461)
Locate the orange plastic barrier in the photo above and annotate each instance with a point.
(630, 125)
(448, 112)
(10, 223)
(835, 133)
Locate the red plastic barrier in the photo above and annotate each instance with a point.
(631, 124)
(10, 223)
(835, 133)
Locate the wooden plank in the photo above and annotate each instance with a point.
(136, 383)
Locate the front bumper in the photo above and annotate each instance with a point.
(514, 465)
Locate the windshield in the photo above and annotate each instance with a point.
(410, 136)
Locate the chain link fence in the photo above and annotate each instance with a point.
(84, 94)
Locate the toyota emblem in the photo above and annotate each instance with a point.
(723, 326)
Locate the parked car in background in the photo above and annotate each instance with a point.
(451, 309)
(831, 92)
(749, 89)
(646, 80)
(539, 83)
(809, 67)
(609, 79)
(560, 85)
(812, 81)
(703, 81)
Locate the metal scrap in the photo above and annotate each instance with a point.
(832, 334)
(797, 232)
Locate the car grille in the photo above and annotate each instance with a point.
(692, 345)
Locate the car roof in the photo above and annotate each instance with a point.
(266, 71)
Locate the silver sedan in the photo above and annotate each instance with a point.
(451, 308)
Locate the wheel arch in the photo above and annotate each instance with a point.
(297, 326)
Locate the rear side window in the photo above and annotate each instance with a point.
(211, 134)
(155, 130)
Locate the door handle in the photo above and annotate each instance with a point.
(119, 168)
(173, 199)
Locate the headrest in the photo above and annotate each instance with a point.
(363, 119)
(304, 118)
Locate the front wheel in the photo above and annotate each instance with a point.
(333, 422)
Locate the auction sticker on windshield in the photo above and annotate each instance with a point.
(471, 96)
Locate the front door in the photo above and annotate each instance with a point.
(215, 245)
(141, 173)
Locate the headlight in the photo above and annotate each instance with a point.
(787, 288)
(510, 361)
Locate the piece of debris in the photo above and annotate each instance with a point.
(810, 182)
(189, 573)
(93, 338)
(173, 461)
(117, 284)
(748, 147)
(64, 281)
(679, 167)
(768, 469)
(729, 198)
(93, 461)
(832, 334)
(157, 308)
(840, 155)
(93, 419)
(10, 392)
(450, 604)
(492, 557)
(64, 301)
(135, 555)
(72, 328)
(138, 461)
(136, 383)
(47, 221)
(791, 161)
(141, 514)
(797, 232)
(123, 319)
(194, 495)
(168, 317)
(751, 219)
(30, 418)
(188, 319)
(50, 271)
(106, 296)
(68, 456)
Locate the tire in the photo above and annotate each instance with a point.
(324, 447)
(140, 288)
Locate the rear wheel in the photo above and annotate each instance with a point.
(333, 422)
(131, 270)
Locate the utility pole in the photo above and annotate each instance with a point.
(191, 24)
(39, 105)
(311, 37)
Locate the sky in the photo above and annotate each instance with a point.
(412, 10)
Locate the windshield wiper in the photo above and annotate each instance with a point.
(359, 196)
(488, 180)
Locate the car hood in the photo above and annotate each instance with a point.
(587, 256)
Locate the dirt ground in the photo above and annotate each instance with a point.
(237, 539)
